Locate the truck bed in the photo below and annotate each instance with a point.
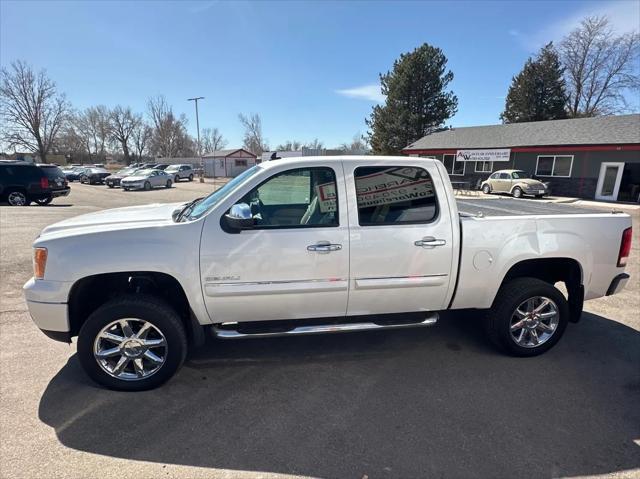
(513, 207)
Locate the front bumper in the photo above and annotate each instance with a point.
(617, 284)
(132, 186)
(47, 305)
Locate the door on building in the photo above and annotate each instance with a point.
(609, 181)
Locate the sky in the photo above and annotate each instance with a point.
(309, 68)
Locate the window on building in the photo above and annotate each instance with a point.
(241, 163)
(554, 165)
(484, 166)
(453, 166)
(394, 195)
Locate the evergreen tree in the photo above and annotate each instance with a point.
(537, 93)
(416, 102)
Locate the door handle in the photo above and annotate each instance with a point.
(324, 247)
(430, 242)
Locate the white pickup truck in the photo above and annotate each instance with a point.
(314, 245)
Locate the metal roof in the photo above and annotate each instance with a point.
(601, 130)
(224, 153)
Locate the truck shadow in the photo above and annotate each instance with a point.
(428, 402)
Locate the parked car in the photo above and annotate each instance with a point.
(114, 179)
(146, 180)
(160, 166)
(515, 182)
(72, 173)
(22, 183)
(93, 176)
(148, 166)
(180, 172)
(365, 242)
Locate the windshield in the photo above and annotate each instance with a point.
(125, 171)
(173, 168)
(209, 202)
(521, 175)
(143, 172)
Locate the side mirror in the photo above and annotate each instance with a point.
(239, 217)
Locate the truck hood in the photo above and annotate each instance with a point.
(113, 219)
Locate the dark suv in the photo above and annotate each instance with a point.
(21, 183)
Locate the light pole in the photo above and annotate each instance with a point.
(198, 126)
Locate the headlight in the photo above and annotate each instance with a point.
(39, 262)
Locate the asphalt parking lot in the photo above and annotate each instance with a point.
(411, 403)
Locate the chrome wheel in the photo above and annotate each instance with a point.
(534, 321)
(17, 198)
(130, 349)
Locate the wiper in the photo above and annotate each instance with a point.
(186, 209)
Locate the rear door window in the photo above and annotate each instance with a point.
(394, 195)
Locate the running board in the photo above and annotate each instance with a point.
(430, 320)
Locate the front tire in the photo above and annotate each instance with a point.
(132, 343)
(147, 186)
(176, 179)
(191, 177)
(517, 192)
(486, 189)
(168, 185)
(528, 317)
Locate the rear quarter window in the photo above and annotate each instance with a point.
(395, 195)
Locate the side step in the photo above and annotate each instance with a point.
(221, 333)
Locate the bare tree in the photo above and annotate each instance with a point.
(314, 145)
(93, 126)
(141, 138)
(212, 140)
(32, 109)
(358, 146)
(289, 145)
(253, 140)
(600, 67)
(170, 136)
(123, 122)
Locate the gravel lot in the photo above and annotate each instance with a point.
(428, 402)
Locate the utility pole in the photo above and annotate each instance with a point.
(198, 126)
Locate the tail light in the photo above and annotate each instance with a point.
(44, 183)
(625, 247)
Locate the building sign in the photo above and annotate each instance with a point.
(502, 154)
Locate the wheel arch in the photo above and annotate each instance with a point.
(554, 270)
(90, 292)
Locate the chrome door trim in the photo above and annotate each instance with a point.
(401, 281)
(276, 287)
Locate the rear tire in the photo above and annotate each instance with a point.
(168, 184)
(137, 310)
(536, 334)
(191, 177)
(147, 185)
(176, 179)
(110, 185)
(17, 198)
(44, 201)
(486, 189)
(517, 192)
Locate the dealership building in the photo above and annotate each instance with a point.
(595, 158)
